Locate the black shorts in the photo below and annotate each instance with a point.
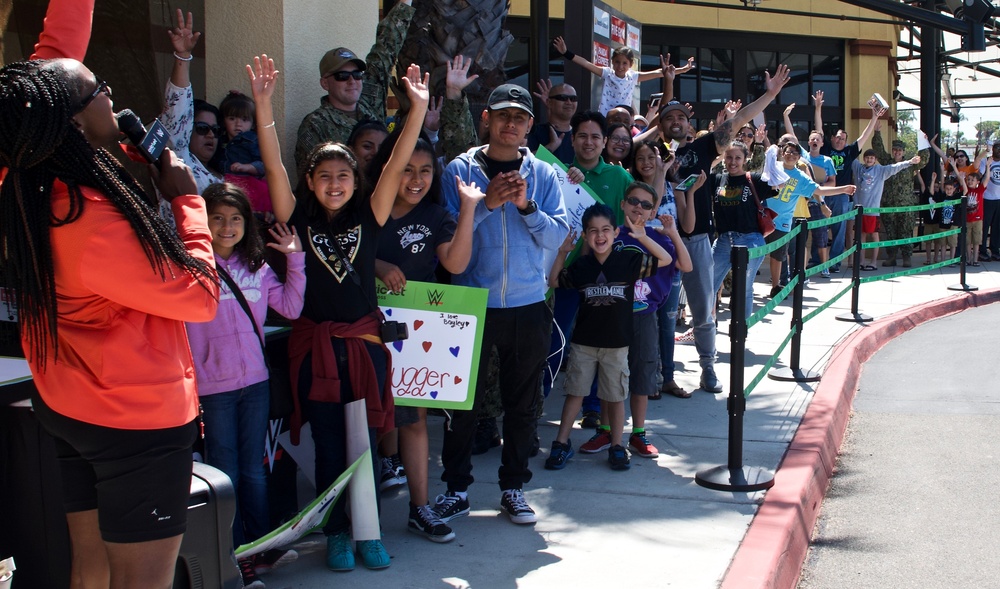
(138, 480)
(782, 252)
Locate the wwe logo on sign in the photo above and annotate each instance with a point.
(435, 297)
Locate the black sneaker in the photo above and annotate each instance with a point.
(449, 506)
(513, 503)
(250, 578)
(591, 419)
(424, 521)
(618, 458)
(560, 455)
(487, 436)
(393, 474)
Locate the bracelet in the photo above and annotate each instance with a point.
(179, 58)
(268, 126)
(569, 55)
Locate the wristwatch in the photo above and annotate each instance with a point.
(531, 208)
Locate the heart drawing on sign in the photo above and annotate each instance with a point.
(458, 379)
(388, 312)
(454, 351)
(398, 344)
(434, 394)
(427, 346)
(417, 324)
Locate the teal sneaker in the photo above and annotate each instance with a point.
(339, 552)
(373, 554)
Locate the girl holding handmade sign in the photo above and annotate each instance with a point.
(337, 354)
(418, 233)
(229, 358)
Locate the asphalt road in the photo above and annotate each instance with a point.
(913, 502)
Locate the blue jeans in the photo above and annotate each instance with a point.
(839, 205)
(723, 262)
(235, 427)
(329, 429)
(701, 297)
(666, 316)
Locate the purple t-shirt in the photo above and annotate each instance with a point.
(650, 292)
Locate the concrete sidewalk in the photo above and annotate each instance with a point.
(652, 525)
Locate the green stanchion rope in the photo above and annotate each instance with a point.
(769, 364)
(831, 262)
(812, 314)
(913, 208)
(760, 252)
(774, 302)
(911, 271)
(816, 224)
(891, 242)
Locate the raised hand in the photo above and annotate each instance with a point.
(544, 87)
(263, 77)
(775, 83)
(789, 109)
(569, 244)
(669, 70)
(555, 139)
(458, 76)
(818, 98)
(432, 120)
(469, 194)
(287, 239)
(416, 86)
(636, 232)
(182, 37)
(760, 135)
(559, 44)
(916, 160)
(668, 224)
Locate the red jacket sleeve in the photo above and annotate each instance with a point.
(115, 267)
(66, 32)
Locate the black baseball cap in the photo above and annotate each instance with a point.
(510, 96)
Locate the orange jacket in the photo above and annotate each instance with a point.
(123, 357)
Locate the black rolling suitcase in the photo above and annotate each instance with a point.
(206, 559)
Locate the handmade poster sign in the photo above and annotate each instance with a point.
(438, 364)
(577, 197)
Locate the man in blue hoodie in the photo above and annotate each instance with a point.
(518, 228)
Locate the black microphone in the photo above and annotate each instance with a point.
(149, 143)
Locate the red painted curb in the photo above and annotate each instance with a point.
(776, 543)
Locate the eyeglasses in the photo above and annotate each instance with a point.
(102, 88)
(343, 76)
(745, 134)
(635, 202)
(203, 129)
(563, 97)
(619, 140)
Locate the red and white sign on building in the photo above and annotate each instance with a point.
(617, 30)
(602, 55)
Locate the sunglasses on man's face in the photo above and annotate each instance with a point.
(203, 129)
(635, 202)
(102, 88)
(343, 76)
(563, 97)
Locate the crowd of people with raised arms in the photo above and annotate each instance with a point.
(142, 307)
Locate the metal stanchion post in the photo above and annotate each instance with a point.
(733, 476)
(794, 372)
(855, 315)
(963, 224)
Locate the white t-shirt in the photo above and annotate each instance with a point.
(617, 90)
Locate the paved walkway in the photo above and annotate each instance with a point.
(651, 526)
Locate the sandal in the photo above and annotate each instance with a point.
(656, 396)
(676, 391)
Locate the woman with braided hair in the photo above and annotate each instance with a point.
(103, 287)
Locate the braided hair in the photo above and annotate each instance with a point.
(40, 144)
